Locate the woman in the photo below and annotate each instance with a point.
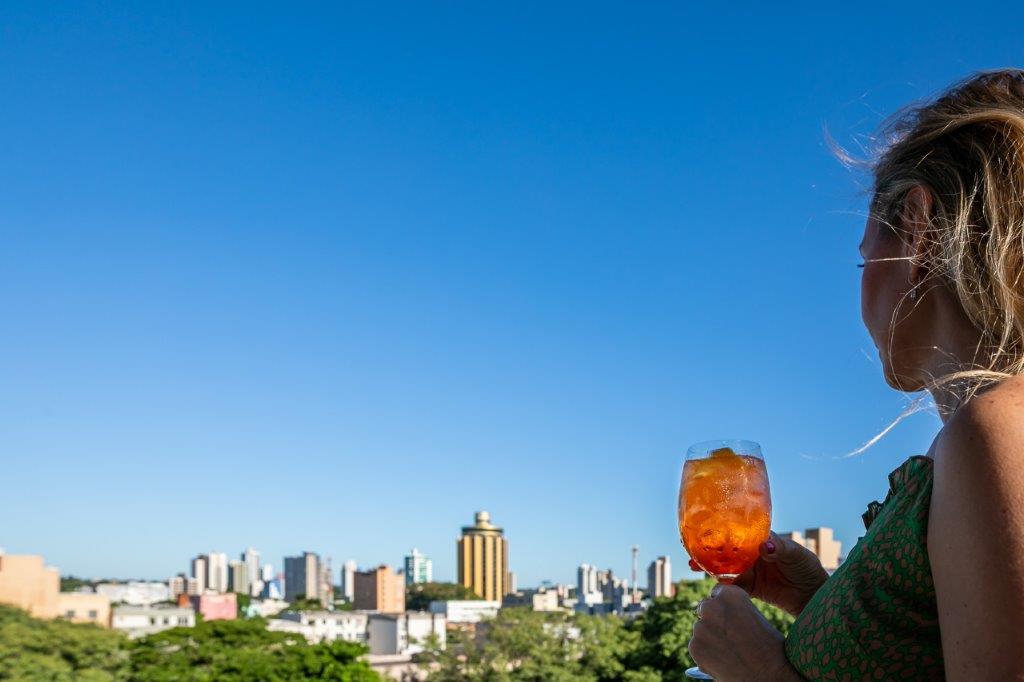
(935, 588)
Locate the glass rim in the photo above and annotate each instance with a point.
(739, 445)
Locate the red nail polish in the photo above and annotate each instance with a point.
(769, 547)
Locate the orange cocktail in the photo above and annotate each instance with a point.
(725, 510)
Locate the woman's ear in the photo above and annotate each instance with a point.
(917, 231)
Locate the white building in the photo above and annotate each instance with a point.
(217, 572)
(465, 610)
(403, 633)
(348, 580)
(659, 578)
(135, 593)
(327, 626)
(418, 568)
(199, 572)
(283, 625)
(546, 600)
(265, 608)
(139, 621)
(251, 559)
(588, 587)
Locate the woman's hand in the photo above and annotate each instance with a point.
(733, 641)
(786, 575)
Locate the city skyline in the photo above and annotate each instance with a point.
(198, 570)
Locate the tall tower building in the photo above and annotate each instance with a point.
(348, 580)
(302, 576)
(217, 572)
(588, 592)
(659, 578)
(418, 568)
(238, 577)
(251, 559)
(199, 573)
(325, 583)
(483, 559)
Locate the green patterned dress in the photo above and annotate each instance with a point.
(876, 617)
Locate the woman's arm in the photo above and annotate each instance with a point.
(976, 536)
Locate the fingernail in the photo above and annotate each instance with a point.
(769, 547)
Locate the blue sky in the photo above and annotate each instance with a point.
(333, 278)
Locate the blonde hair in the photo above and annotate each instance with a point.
(966, 148)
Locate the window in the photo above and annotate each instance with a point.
(167, 621)
(182, 620)
(92, 614)
(70, 613)
(152, 621)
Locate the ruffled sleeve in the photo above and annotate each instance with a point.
(908, 475)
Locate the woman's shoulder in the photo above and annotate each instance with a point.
(991, 416)
(983, 441)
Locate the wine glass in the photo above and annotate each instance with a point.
(725, 509)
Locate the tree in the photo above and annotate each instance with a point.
(70, 583)
(524, 645)
(303, 604)
(606, 643)
(33, 649)
(418, 596)
(520, 644)
(242, 602)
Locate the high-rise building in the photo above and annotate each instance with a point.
(379, 589)
(483, 559)
(348, 580)
(217, 572)
(595, 588)
(588, 592)
(302, 576)
(267, 573)
(251, 559)
(325, 583)
(238, 577)
(659, 578)
(822, 542)
(614, 591)
(199, 565)
(418, 568)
